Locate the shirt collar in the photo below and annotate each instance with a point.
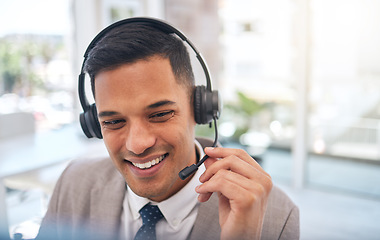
(176, 208)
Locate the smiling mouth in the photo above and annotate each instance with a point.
(150, 164)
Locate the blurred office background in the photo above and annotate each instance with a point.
(300, 81)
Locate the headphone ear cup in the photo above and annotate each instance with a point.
(200, 105)
(90, 123)
(207, 105)
(197, 104)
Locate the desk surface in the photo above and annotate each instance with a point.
(35, 151)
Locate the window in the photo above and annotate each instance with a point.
(35, 62)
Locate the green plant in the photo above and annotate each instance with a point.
(240, 112)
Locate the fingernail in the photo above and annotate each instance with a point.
(201, 178)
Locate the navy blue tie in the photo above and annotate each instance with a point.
(150, 215)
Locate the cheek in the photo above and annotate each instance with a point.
(179, 134)
(190, 122)
(113, 143)
(186, 132)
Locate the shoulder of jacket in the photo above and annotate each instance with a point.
(281, 213)
(89, 172)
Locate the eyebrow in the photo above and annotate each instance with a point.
(151, 106)
(107, 114)
(160, 104)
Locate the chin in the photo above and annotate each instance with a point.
(154, 189)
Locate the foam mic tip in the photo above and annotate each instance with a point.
(187, 171)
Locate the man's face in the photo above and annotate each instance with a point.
(147, 124)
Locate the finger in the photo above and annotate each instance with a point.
(209, 161)
(225, 152)
(220, 152)
(204, 197)
(229, 189)
(230, 163)
(257, 186)
(233, 177)
(234, 164)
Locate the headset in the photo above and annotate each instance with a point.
(207, 102)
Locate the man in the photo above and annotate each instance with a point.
(143, 86)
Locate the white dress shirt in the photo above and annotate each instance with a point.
(180, 210)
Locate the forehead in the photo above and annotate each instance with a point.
(143, 81)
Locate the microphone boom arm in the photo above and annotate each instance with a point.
(189, 170)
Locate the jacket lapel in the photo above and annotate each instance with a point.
(107, 207)
(207, 222)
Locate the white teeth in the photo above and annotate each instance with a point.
(149, 164)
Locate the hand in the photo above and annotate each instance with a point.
(243, 188)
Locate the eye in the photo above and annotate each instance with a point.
(161, 116)
(114, 124)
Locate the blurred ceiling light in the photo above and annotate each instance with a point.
(227, 129)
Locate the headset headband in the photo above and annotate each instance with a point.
(159, 24)
(207, 104)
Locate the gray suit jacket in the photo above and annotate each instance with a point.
(88, 199)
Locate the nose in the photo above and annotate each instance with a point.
(139, 138)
